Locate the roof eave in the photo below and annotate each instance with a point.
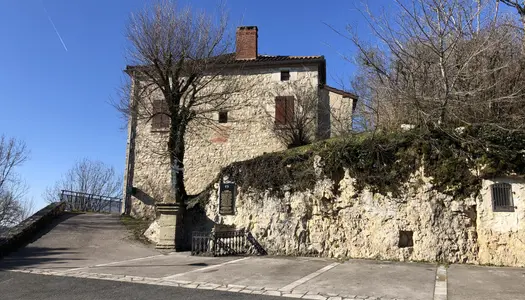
(341, 92)
(253, 63)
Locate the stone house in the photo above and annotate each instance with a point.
(238, 134)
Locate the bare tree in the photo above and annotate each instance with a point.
(442, 62)
(365, 114)
(89, 177)
(13, 208)
(519, 6)
(181, 70)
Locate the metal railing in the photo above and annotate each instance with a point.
(219, 243)
(84, 202)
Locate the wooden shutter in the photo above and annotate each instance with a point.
(280, 110)
(284, 110)
(289, 109)
(160, 120)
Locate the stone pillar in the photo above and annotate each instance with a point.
(170, 223)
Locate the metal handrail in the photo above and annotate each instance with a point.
(85, 202)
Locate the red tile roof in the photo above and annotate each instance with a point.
(287, 57)
(229, 59)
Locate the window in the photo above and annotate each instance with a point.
(406, 239)
(284, 110)
(285, 75)
(223, 117)
(160, 120)
(502, 197)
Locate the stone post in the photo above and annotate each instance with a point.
(170, 223)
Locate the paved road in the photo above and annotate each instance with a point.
(19, 286)
(86, 247)
(79, 240)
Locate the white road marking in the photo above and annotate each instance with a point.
(115, 262)
(440, 290)
(306, 278)
(205, 268)
(180, 283)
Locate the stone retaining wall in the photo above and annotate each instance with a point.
(19, 235)
(420, 225)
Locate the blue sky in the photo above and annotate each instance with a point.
(57, 100)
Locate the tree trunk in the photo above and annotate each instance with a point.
(176, 153)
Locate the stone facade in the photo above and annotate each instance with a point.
(420, 225)
(501, 235)
(247, 133)
(341, 108)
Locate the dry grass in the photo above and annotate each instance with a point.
(136, 228)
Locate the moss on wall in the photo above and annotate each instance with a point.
(384, 161)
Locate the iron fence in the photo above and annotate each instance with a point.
(219, 243)
(84, 202)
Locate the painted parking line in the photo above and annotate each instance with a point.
(205, 268)
(115, 262)
(440, 290)
(306, 278)
(194, 285)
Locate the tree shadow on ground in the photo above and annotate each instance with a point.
(34, 256)
(26, 255)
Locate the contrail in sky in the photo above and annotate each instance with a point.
(54, 27)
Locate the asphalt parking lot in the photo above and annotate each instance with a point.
(94, 246)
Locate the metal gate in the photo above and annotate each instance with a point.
(219, 243)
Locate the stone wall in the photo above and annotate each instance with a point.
(341, 110)
(333, 220)
(16, 237)
(501, 235)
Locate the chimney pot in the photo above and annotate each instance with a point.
(246, 43)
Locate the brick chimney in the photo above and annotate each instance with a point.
(246, 45)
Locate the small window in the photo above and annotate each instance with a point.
(223, 117)
(406, 239)
(285, 75)
(502, 197)
(160, 119)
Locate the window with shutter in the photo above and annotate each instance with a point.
(289, 109)
(160, 120)
(284, 110)
(280, 110)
